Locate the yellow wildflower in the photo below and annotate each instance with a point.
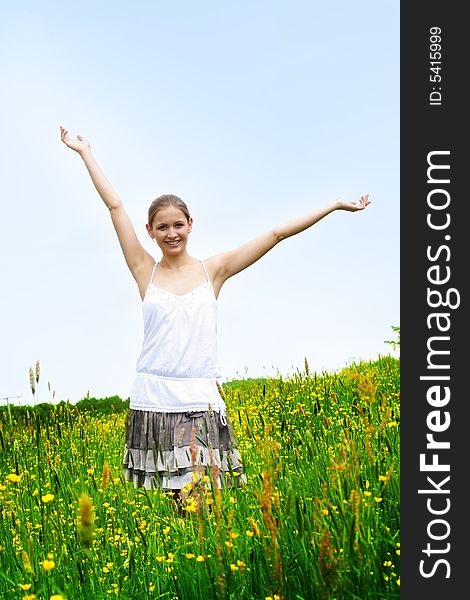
(189, 555)
(30, 597)
(57, 597)
(200, 558)
(24, 586)
(14, 478)
(233, 567)
(378, 499)
(48, 565)
(254, 525)
(47, 498)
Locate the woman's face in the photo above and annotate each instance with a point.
(170, 229)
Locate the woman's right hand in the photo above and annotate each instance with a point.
(79, 145)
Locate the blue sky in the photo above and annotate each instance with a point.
(253, 113)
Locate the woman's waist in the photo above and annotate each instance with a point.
(167, 388)
(168, 393)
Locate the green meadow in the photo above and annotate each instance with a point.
(318, 517)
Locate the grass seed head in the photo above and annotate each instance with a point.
(31, 380)
(27, 563)
(105, 475)
(87, 519)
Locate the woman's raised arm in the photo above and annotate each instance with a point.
(134, 253)
(229, 263)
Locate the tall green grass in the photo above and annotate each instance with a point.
(317, 519)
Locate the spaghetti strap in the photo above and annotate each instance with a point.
(205, 270)
(153, 272)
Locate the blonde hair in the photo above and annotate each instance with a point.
(164, 201)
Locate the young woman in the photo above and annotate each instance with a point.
(177, 427)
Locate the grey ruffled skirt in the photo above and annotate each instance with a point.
(170, 450)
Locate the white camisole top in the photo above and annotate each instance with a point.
(177, 370)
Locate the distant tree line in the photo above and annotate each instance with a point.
(45, 410)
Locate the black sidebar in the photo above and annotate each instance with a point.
(434, 328)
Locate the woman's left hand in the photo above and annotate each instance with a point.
(354, 206)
